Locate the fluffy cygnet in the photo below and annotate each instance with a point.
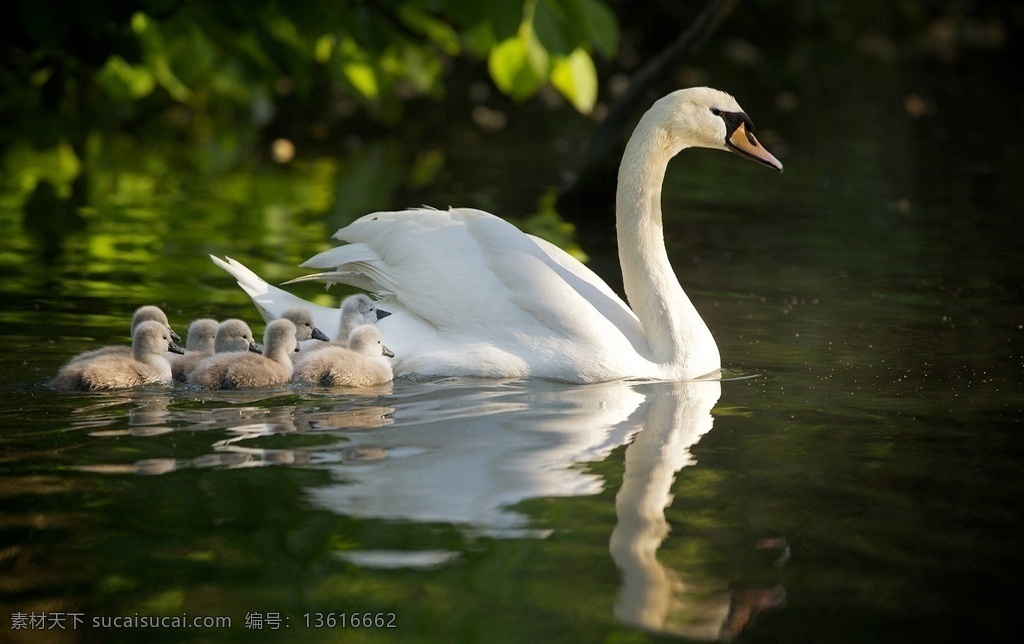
(363, 364)
(305, 329)
(199, 343)
(142, 314)
(246, 370)
(146, 365)
(356, 310)
(232, 335)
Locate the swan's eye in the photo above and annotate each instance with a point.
(716, 111)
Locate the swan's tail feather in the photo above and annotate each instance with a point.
(254, 285)
(271, 301)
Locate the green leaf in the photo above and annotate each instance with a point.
(422, 67)
(124, 81)
(438, 32)
(602, 25)
(555, 28)
(479, 39)
(519, 65)
(576, 78)
(357, 69)
(362, 78)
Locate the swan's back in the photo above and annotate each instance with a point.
(453, 269)
(455, 265)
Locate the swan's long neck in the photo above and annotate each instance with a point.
(678, 338)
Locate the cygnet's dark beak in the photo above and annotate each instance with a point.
(381, 314)
(174, 336)
(388, 353)
(255, 348)
(319, 335)
(173, 348)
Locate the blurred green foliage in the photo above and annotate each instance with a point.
(116, 62)
(158, 112)
(152, 104)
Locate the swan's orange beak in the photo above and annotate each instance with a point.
(744, 143)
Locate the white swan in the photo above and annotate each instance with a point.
(272, 302)
(145, 365)
(363, 364)
(238, 370)
(473, 295)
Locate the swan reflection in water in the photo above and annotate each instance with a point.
(468, 456)
(465, 452)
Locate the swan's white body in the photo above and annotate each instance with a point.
(470, 294)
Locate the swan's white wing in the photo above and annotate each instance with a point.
(591, 287)
(478, 280)
(463, 268)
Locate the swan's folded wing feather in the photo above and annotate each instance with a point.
(592, 288)
(355, 264)
(558, 290)
(353, 276)
(469, 272)
(427, 259)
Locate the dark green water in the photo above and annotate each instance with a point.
(856, 478)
